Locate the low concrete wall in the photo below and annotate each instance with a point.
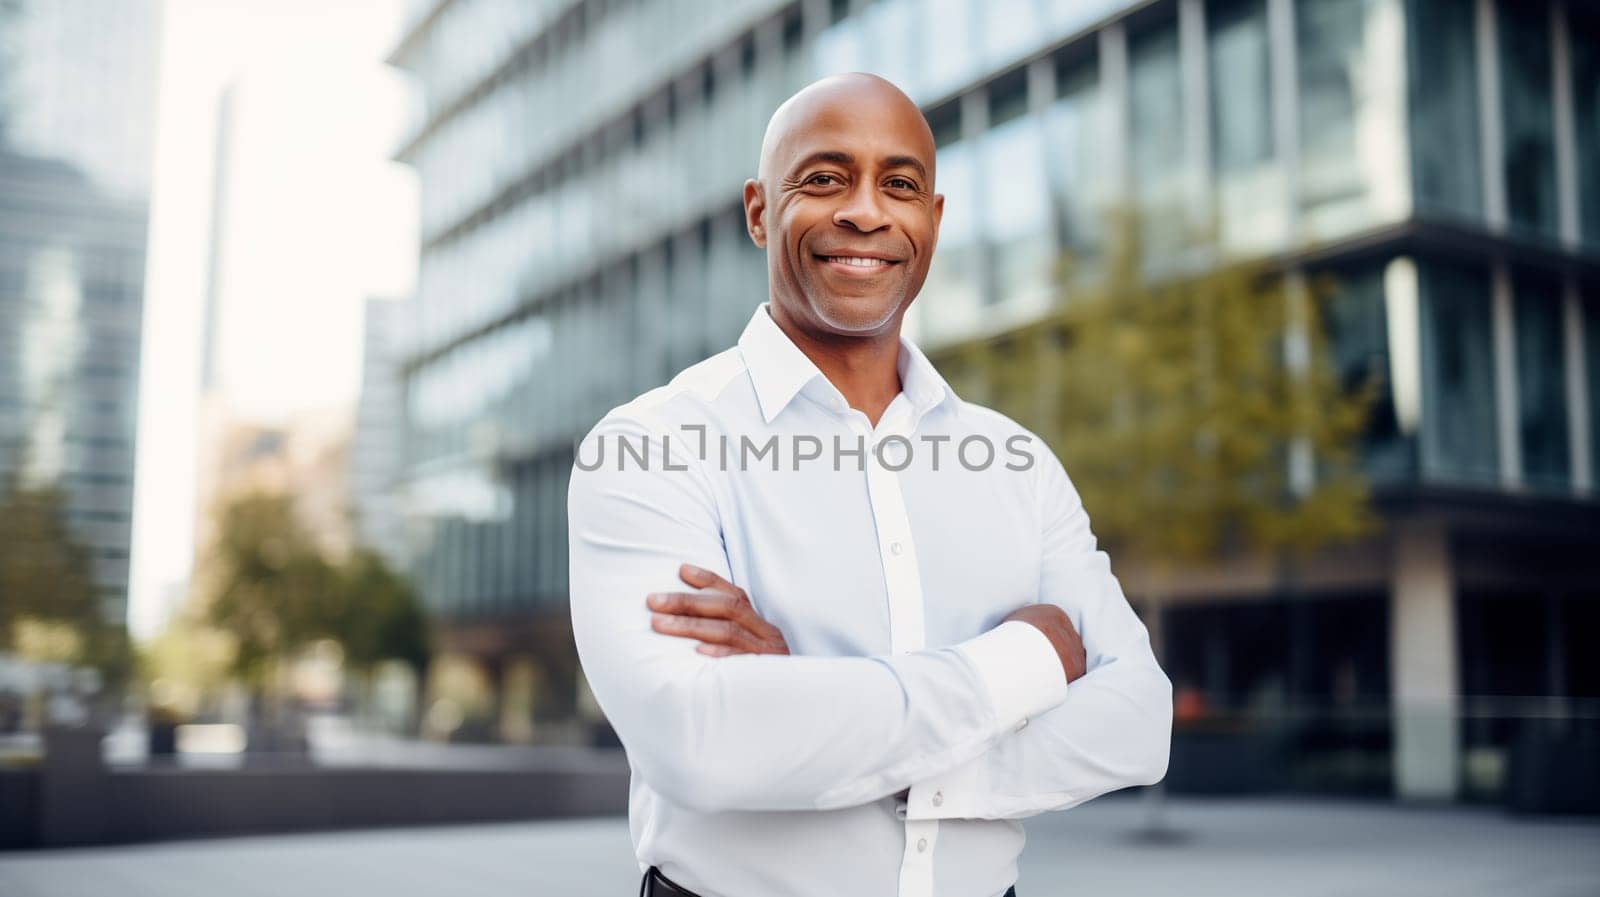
(72, 799)
(171, 803)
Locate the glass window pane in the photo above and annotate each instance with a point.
(1072, 16)
(1157, 134)
(838, 48)
(949, 51)
(1584, 41)
(1078, 185)
(1591, 356)
(1355, 317)
(1444, 107)
(1017, 212)
(950, 296)
(1011, 28)
(891, 26)
(1526, 108)
(1353, 160)
(1458, 402)
(1541, 381)
(1250, 205)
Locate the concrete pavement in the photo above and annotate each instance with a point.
(1285, 847)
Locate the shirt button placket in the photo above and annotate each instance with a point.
(906, 628)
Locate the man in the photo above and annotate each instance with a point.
(832, 610)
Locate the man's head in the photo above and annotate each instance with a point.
(843, 203)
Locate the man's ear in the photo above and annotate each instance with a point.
(938, 216)
(755, 208)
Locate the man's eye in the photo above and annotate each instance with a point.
(901, 184)
(819, 179)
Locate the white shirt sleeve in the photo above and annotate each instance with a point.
(1114, 729)
(761, 732)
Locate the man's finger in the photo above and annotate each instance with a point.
(699, 604)
(701, 578)
(719, 632)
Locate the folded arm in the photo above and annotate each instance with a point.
(763, 732)
(1114, 729)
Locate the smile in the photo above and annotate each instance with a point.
(862, 263)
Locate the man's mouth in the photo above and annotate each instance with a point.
(862, 263)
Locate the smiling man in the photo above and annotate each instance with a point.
(850, 627)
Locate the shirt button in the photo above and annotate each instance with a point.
(938, 798)
(922, 845)
(894, 548)
(1023, 724)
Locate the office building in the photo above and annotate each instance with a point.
(77, 96)
(376, 446)
(582, 241)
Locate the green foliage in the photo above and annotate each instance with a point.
(275, 592)
(1173, 402)
(379, 617)
(45, 579)
(271, 582)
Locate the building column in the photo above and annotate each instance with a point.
(1492, 130)
(1423, 663)
(1508, 411)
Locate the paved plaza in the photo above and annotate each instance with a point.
(1283, 847)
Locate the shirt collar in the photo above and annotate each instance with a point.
(780, 370)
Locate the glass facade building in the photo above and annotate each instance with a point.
(77, 129)
(582, 241)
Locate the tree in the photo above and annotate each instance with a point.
(1177, 405)
(270, 584)
(47, 588)
(275, 592)
(380, 616)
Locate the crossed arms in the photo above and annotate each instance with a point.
(776, 732)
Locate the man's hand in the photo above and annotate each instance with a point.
(722, 619)
(1057, 626)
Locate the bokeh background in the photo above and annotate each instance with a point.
(304, 306)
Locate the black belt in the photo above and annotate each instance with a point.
(657, 885)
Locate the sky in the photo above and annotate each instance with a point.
(318, 218)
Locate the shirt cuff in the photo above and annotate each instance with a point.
(1020, 669)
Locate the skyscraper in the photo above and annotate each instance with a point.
(76, 142)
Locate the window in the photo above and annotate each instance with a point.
(1584, 41)
(1541, 381)
(839, 48)
(1240, 87)
(1458, 401)
(1249, 182)
(1526, 109)
(1444, 107)
(890, 27)
(1016, 203)
(1072, 16)
(1356, 322)
(1591, 355)
(949, 56)
(1157, 135)
(1353, 164)
(950, 297)
(1073, 139)
(1010, 28)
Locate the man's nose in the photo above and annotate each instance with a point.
(862, 209)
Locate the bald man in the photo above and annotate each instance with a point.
(849, 627)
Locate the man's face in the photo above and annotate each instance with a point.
(847, 212)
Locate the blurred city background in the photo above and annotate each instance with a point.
(304, 306)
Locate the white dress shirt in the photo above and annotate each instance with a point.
(887, 570)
